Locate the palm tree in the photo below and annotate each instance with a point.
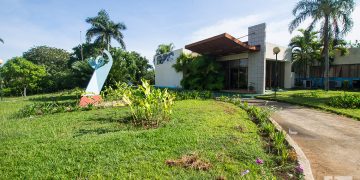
(104, 30)
(334, 17)
(304, 48)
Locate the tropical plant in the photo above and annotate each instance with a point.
(200, 72)
(347, 101)
(334, 17)
(149, 106)
(305, 50)
(21, 75)
(116, 92)
(104, 30)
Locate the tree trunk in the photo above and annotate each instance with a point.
(326, 53)
(24, 91)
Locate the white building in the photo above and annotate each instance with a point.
(249, 66)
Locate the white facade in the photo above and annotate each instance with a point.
(166, 76)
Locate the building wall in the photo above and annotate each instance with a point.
(257, 60)
(233, 57)
(284, 56)
(165, 74)
(352, 58)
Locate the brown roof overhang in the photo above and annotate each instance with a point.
(220, 45)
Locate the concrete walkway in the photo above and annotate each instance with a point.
(330, 142)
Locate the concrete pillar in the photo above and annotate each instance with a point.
(257, 60)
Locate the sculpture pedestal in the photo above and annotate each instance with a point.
(86, 100)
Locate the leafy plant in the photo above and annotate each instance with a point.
(187, 94)
(149, 106)
(348, 101)
(116, 93)
(200, 72)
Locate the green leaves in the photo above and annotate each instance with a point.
(149, 106)
(200, 72)
(21, 75)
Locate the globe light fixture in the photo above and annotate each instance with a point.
(276, 51)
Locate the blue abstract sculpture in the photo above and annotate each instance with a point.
(102, 68)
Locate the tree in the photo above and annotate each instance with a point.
(55, 61)
(21, 75)
(104, 30)
(305, 50)
(164, 49)
(129, 67)
(334, 17)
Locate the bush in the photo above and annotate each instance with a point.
(348, 101)
(184, 95)
(50, 108)
(116, 93)
(149, 106)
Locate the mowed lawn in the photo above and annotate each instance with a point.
(315, 98)
(103, 144)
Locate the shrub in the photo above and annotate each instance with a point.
(116, 93)
(184, 95)
(345, 101)
(149, 106)
(46, 108)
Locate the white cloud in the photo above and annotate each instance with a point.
(277, 29)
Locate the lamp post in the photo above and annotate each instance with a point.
(276, 51)
(1, 81)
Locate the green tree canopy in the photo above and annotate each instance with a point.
(104, 29)
(334, 16)
(21, 75)
(56, 63)
(129, 67)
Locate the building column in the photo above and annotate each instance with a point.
(257, 60)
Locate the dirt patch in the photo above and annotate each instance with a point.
(190, 161)
(240, 128)
(227, 108)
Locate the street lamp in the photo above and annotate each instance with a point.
(276, 51)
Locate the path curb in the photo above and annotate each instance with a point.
(303, 161)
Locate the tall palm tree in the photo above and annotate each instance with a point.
(104, 30)
(334, 18)
(305, 49)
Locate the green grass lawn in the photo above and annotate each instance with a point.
(102, 144)
(316, 99)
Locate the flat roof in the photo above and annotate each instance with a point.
(223, 44)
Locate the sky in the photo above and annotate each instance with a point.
(57, 23)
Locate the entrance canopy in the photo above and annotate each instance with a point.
(220, 45)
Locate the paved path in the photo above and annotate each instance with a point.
(330, 142)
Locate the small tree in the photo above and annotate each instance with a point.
(21, 75)
(55, 61)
